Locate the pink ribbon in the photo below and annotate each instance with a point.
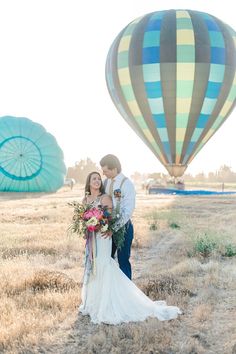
(92, 249)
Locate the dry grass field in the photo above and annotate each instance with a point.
(184, 251)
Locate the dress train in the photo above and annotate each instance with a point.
(110, 297)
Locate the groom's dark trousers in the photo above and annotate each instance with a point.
(123, 254)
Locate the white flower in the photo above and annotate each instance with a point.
(92, 221)
(104, 228)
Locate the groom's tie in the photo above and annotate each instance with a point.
(111, 187)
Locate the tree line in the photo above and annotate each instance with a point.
(84, 166)
(224, 174)
(81, 169)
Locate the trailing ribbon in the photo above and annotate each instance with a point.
(90, 255)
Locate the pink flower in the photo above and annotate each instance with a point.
(88, 214)
(91, 228)
(93, 213)
(98, 214)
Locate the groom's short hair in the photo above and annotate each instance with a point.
(111, 161)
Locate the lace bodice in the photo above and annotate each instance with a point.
(96, 202)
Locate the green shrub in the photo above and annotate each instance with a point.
(153, 226)
(205, 245)
(153, 217)
(230, 250)
(173, 225)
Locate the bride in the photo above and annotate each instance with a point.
(108, 295)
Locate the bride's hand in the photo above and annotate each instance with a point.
(107, 234)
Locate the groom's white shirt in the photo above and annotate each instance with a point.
(127, 200)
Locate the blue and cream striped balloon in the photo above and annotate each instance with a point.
(30, 158)
(171, 74)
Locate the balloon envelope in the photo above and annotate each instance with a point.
(171, 75)
(30, 158)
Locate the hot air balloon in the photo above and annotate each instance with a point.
(30, 158)
(171, 75)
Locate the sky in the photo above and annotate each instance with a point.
(52, 71)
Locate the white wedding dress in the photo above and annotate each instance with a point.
(110, 297)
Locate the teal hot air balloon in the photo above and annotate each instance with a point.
(171, 74)
(30, 158)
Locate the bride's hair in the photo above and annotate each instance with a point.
(87, 184)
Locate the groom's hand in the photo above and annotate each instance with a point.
(107, 234)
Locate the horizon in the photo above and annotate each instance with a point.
(165, 173)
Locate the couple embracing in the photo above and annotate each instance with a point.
(109, 295)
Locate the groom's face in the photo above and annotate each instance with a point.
(109, 173)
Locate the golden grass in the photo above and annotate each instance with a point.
(42, 267)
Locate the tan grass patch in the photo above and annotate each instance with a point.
(36, 311)
(44, 279)
(165, 284)
(202, 312)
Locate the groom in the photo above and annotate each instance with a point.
(111, 168)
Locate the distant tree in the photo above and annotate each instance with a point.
(137, 177)
(212, 177)
(200, 177)
(81, 169)
(188, 177)
(155, 175)
(225, 174)
(225, 169)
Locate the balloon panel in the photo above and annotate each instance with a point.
(171, 74)
(30, 158)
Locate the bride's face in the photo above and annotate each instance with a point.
(95, 181)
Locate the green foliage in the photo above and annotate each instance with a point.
(117, 227)
(175, 219)
(153, 226)
(119, 237)
(204, 245)
(230, 250)
(79, 224)
(153, 217)
(172, 218)
(173, 225)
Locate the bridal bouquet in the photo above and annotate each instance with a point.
(87, 218)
